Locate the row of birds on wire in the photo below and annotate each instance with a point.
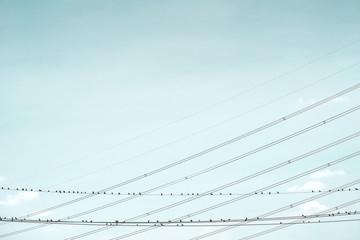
(171, 194)
(210, 222)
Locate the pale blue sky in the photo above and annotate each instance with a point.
(77, 77)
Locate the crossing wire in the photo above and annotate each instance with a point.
(230, 184)
(221, 164)
(216, 147)
(221, 204)
(293, 223)
(189, 222)
(218, 165)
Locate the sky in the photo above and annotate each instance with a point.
(94, 93)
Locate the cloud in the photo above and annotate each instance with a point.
(302, 101)
(12, 200)
(326, 173)
(308, 186)
(341, 99)
(2, 179)
(311, 207)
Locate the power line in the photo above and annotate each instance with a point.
(223, 163)
(188, 194)
(209, 169)
(293, 223)
(199, 111)
(210, 222)
(224, 203)
(243, 179)
(205, 170)
(287, 207)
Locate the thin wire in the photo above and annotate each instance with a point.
(224, 203)
(223, 163)
(216, 166)
(197, 112)
(276, 211)
(283, 226)
(72, 192)
(199, 172)
(190, 222)
(329, 164)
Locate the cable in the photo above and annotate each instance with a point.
(224, 203)
(199, 111)
(223, 163)
(72, 192)
(243, 179)
(190, 222)
(198, 173)
(283, 226)
(276, 211)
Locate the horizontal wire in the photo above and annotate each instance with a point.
(283, 226)
(216, 166)
(243, 197)
(245, 178)
(214, 148)
(229, 201)
(224, 225)
(194, 222)
(202, 171)
(65, 192)
(287, 207)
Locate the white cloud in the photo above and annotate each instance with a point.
(303, 101)
(308, 186)
(341, 99)
(311, 207)
(326, 173)
(2, 179)
(17, 198)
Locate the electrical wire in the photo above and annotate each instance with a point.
(72, 192)
(264, 171)
(293, 223)
(199, 172)
(169, 223)
(227, 228)
(224, 203)
(216, 166)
